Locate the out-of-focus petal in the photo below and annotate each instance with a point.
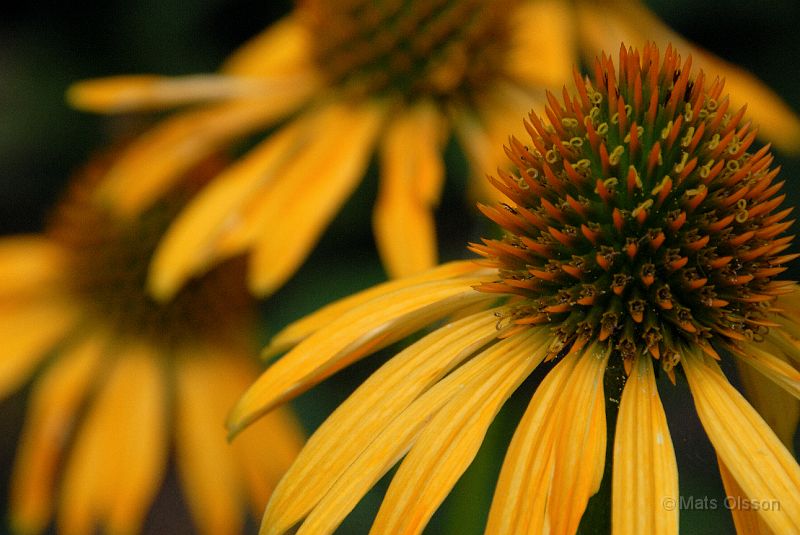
(207, 468)
(779, 409)
(553, 40)
(119, 94)
(311, 189)
(54, 402)
(181, 142)
(604, 25)
(119, 456)
(28, 331)
(189, 244)
(29, 265)
(412, 172)
(284, 47)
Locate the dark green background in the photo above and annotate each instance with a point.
(45, 46)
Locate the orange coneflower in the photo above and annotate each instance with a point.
(643, 240)
(120, 380)
(339, 79)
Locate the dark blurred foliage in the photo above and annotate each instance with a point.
(46, 45)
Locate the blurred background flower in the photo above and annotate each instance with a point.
(120, 383)
(47, 46)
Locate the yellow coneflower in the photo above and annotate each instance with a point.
(121, 381)
(643, 238)
(339, 78)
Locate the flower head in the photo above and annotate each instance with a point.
(641, 234)
(127, 377)
(338, 79)
(640, 217)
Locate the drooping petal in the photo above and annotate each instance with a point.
(207, 469)
(449, 443)
(556, 459)
(28, 331)
(645, 471)
(157, 159)
(554, 41)
(188, 247)
(266, 450)
(411, 182)
(29, 265)
(297, 331)
(54, 402)
(746, 520)
(759, 463)
(773, 367)
(311, 190)
(483, 132)
(368, 413)
(779, 409)
(259, 457)
(120, 94)
(352, 336)
(604, 25)
(119, 456)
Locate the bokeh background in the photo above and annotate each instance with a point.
(46, 45)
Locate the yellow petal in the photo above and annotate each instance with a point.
(297, 331)
(284, 47)
(645, 479)
(264, 451)
(449, 443)
(411, 181)
(207, 468)
(311, 189)
(188, 248)
(350, 337)
(28, 332)
(746, 521)
(761, 466)
(368, 413)
(556, 459)
(542, 58)
(54, 402)
(157, 159)
(119, 94)
(29, 265)
(779, 409)
(483, 134)
(119, 456)
(603, 27)
(580, 461)
(386, 447)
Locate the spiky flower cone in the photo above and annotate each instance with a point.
(640, 218)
